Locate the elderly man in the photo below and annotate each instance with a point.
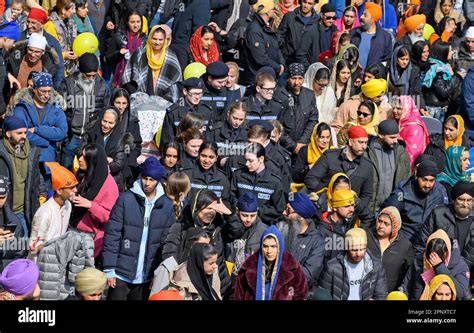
(414, 26)
(466, 51)
(19, 281)
(45, 121)
(31, 55)
(34, 23)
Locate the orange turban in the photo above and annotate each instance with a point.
(61, 177)
(413, 22)
(374, 10)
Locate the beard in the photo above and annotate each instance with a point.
(365, 26)
(414, 38)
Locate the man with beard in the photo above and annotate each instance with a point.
(51, 220)
(414, 26)
(374, 43)
(416, 198)
(302, 239)
(455, 219)
(141, 217)
(300, 114)
(20, 163)
(46, 122)
(390, 160)
(349, 160)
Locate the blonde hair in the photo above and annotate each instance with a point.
(235, 67)
(177, 186)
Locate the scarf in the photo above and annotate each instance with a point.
(133, 43)
(371, 127)
(83, 25)
(458, 140)
(341, 55)
(314, 152)
(199, 279)
(153, 63)
(339, 23)
(197, 51)
(453, 173)
(113, 140)
(285, 10)
(100, 175)
(437, 281)
(400, 81)
(436, 67)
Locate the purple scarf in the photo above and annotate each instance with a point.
(132, 45)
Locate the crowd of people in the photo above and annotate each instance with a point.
(308, 151)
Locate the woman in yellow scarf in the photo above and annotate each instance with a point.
(442, 288)
(368, 117)
(321, 140)
(155, 51)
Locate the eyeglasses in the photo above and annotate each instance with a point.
(195, 94)
(362, 114)
(268, 89)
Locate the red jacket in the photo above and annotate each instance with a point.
(97, 216)
(291, 283)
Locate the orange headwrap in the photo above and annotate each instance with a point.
(61, 177)
(374, 10)
(413, 22)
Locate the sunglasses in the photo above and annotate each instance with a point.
(329, 17)
(362, 114)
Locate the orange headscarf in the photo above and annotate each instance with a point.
(285, 10)
(458, 140)
(197, 51)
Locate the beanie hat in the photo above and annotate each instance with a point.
(88, 62)
(342, 198)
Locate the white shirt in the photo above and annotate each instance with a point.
(355, 272)
(50, 221)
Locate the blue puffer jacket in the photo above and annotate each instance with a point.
(467, 102)
(49, 131)
(123, 233)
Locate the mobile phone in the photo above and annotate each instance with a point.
(9, 227)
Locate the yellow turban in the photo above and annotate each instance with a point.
(355, 237)
(374, 87)
(264, 5)
(90, 281)
(342, 198)
(413, 22)
(374, 10)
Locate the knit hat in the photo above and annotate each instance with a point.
(374, 10)
(152, 168)
(248, 203)
(10, 30)
(296, 69)
(88, 63)
(3, 186)
(374, 87)
(328, 8)
(42, 79)
(90, 281)
(12, 123)
(388, 127)
(20, 277)
(342, 198)
(166, 295)
(302, 205)
(461, 188)
(469, 33)
(413, 22)
(355, 237)
(38, 14)
(38, 41)
(267, 70)
(427, 168)
(264, 6)
(61, 177)
(356, 132)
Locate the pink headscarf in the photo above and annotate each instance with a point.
(339, 23)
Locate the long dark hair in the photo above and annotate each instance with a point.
(120, 92)
(127, 17)
(202, 199)
(94, 155)
(417, 50)
(440, 50)
(438, 246)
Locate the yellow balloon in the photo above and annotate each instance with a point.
(85, 43)
(195, 69)
(396, 296)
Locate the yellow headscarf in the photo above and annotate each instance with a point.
(155, 64)
(458, 140)
(330, 188)
(439, 280)
(372, 127)
(314, 152)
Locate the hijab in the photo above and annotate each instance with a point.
(200, 280)
(402, 81)
(197, 51)
(453, 173)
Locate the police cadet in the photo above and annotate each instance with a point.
(204, 174)
(230, 135)
(190, 102)
(215, 91)
(264, 183)
(277, 158)
(262, 103)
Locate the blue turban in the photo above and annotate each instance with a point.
(302, 205)
(10, 30)
(42, 79)
(152, 168)
(248, 203)
(12, 123)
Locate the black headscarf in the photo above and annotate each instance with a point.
(89, 188)
(95, 134)
(195, 268)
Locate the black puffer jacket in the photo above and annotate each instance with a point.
(397, 258)
(335, 278)
(441, 91)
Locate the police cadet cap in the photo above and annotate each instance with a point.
(193, 82)
(265, 124)
(218, 70)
